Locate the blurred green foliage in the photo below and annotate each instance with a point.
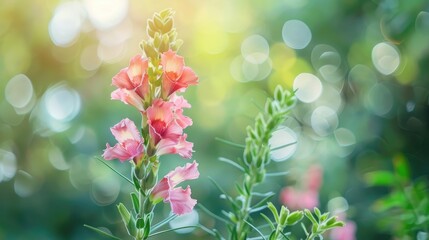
(367, 101)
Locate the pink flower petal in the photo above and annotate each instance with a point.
(137, 69)
(116, 152)
(124, 130)
(180, 174)
(181, 201)
(128, 97)
(121, 80)
(172, 65)
(161, 190)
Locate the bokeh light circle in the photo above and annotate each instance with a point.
(385, 58)
(105, 190)
(105, 14)
(296, 34)
(308, 87)
(66, 24)
(255, 49)
(324, 120)
(62, 103)
(379, 100)
(25, 184)
(283, 144)
(8, 165)
(19, 91)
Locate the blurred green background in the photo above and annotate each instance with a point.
(361, 68)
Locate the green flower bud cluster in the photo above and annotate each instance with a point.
(286, 218)
(162, 35)
(282, 219)
(321, 224)
(257, 151)
(256, 156)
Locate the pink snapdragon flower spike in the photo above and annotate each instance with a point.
(132, 83)
(130, 143)
(176, 77)
(180, 199)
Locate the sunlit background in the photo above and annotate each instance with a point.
(359, 68)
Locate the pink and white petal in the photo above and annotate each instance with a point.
(137, 69)
(180, 174)
(160, 110)
(161, 190)
(116, 152)
(179, 101)
(124, 130)
(133, 147)
(182, 120)
(172, 64)
(181, 201)
(129, 97)
(121, 80)
(188, 77)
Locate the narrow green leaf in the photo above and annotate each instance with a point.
(317, 212)
(277, 174)
(114, 170)
(172, 229)
(163, 222)
(211, 213)
(258, 194)
(256, 229)
(136, 183)
(269, 221)
(101, 232)
(303, 227)
(136, 202)
(128, 220)
(230, 143)
(263, 201)
(273, 211)
(253, 210)
(310, 216)
(283, 146)
(232, 163)
(224, 193)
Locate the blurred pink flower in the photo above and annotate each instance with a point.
(308, 195)
(314, 177)
(176, 77)
(132, 83)
(130, 143)
(344, 233)
(299, 199)
(180, 199)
